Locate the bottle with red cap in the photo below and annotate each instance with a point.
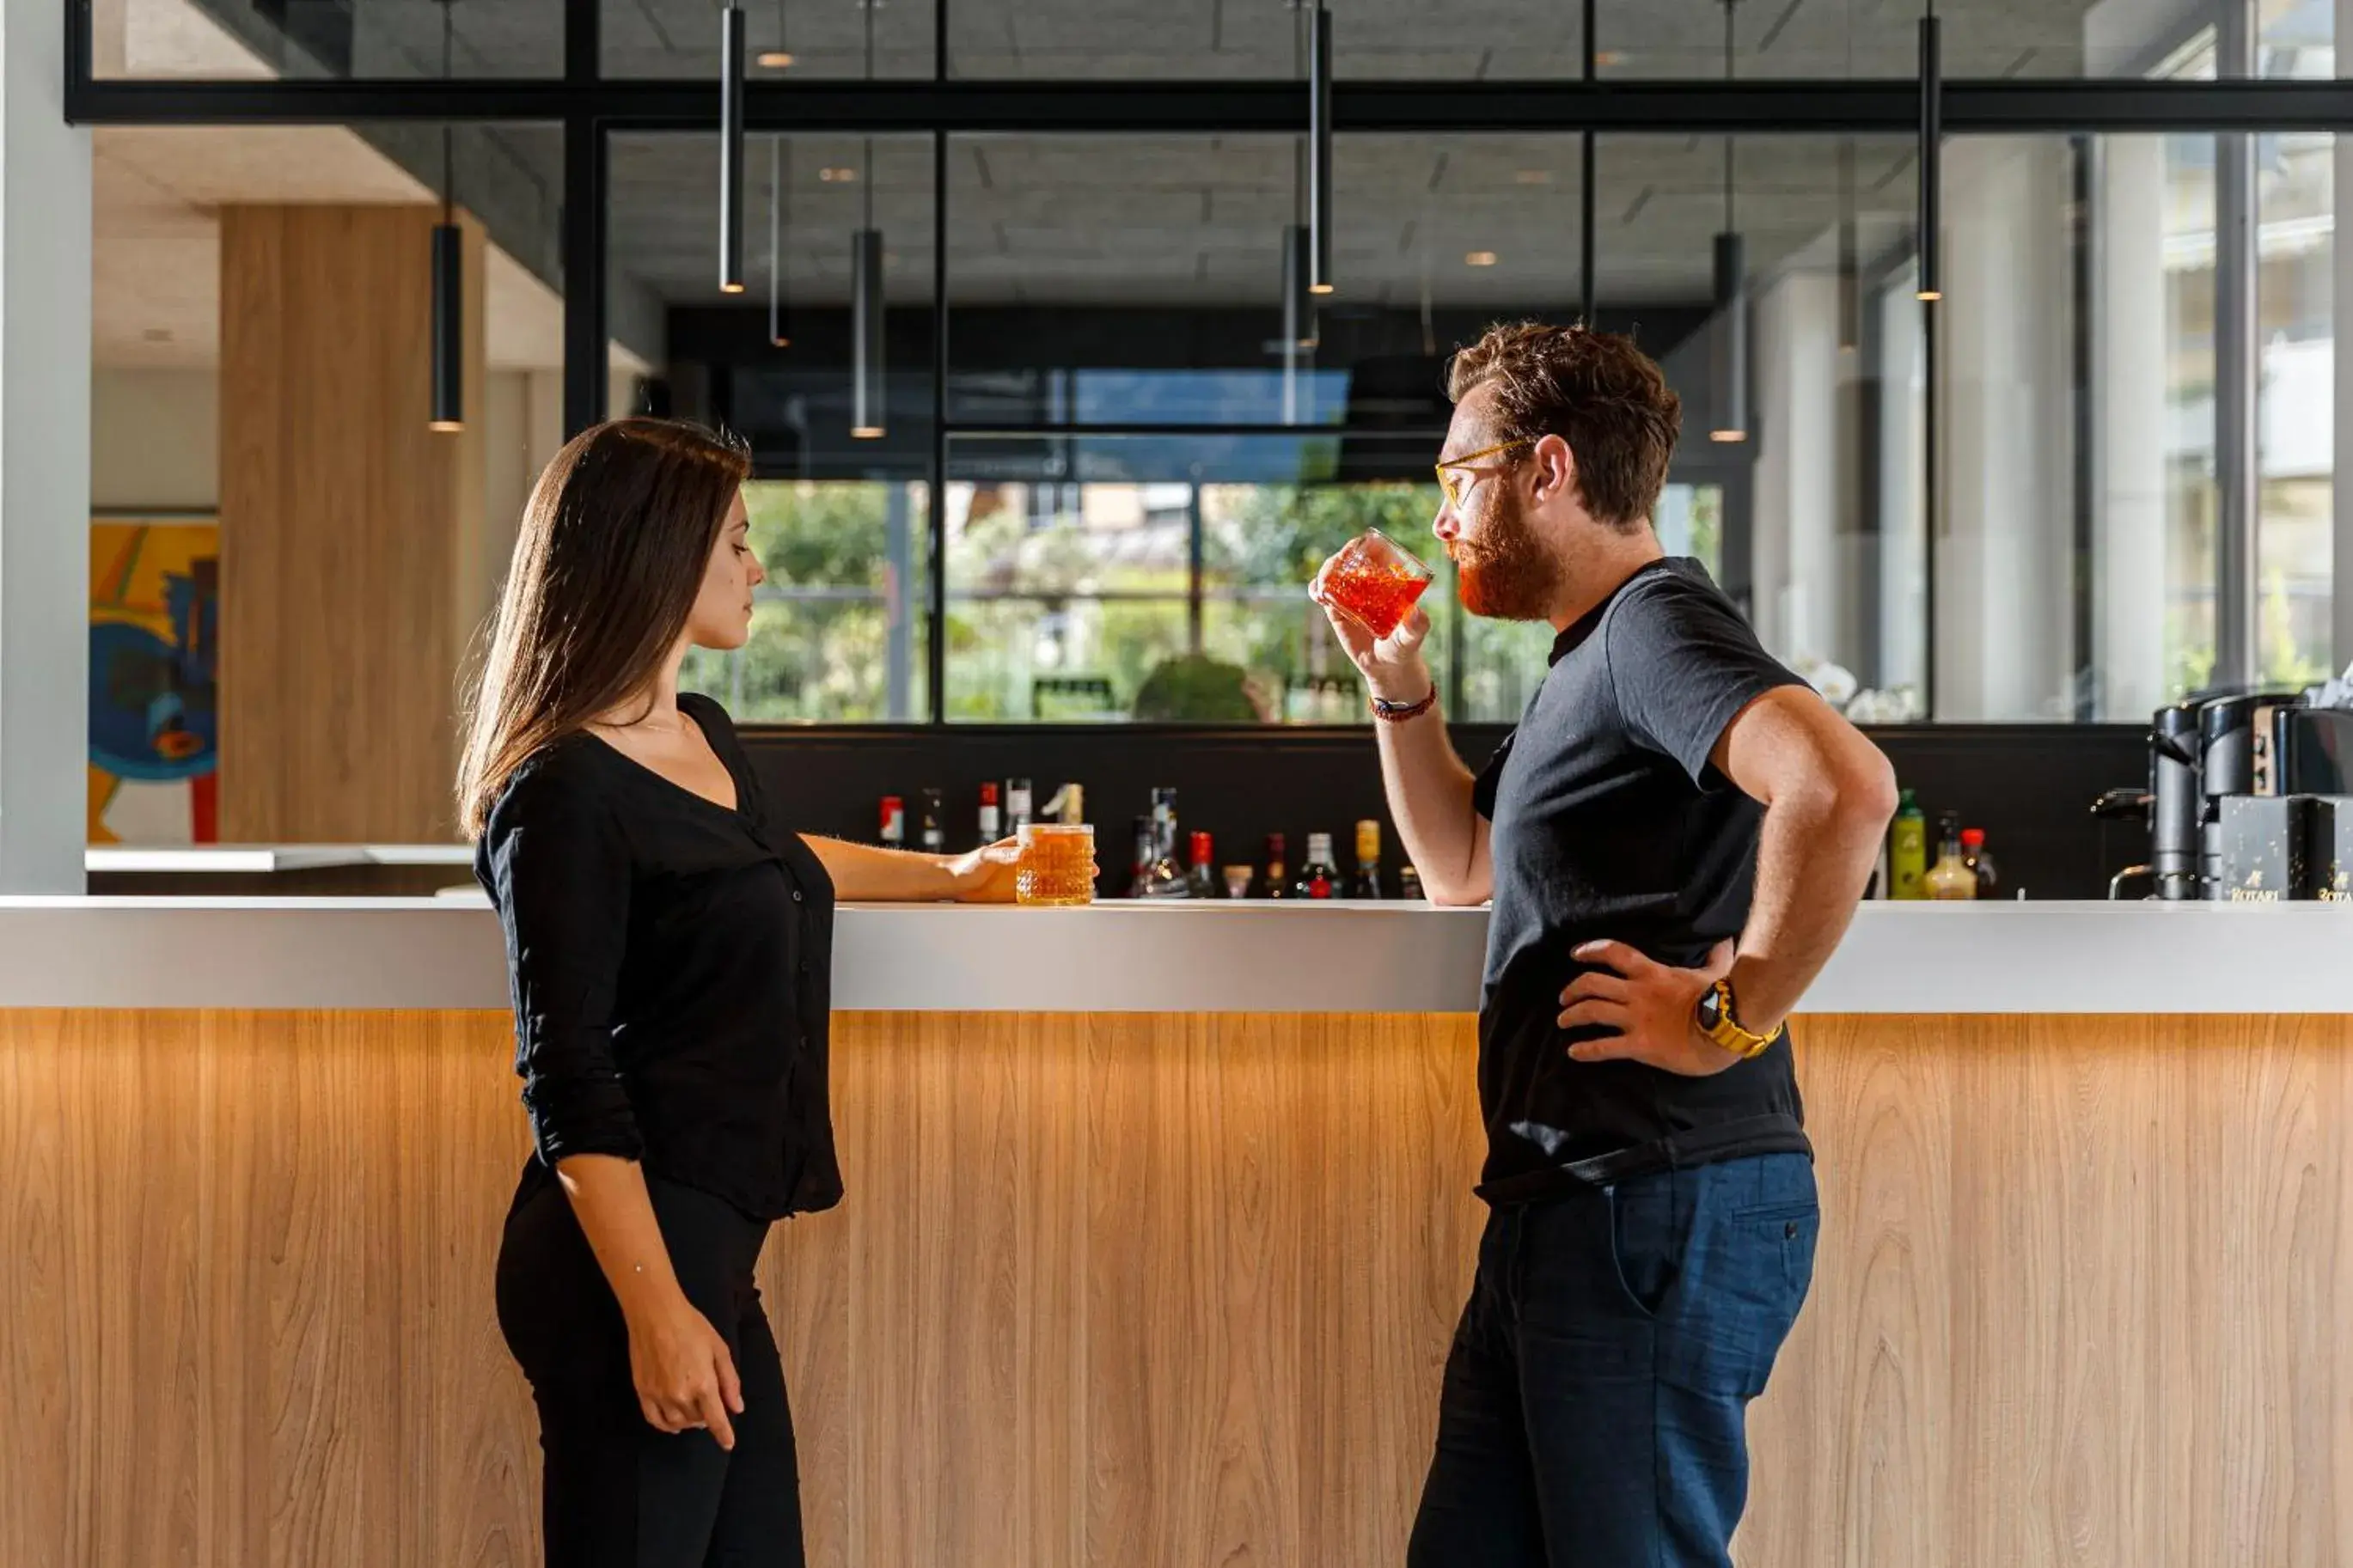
(1201, 878)
(894, 823)
(1974, 856)
(992, 826)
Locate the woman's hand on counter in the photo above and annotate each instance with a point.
(985, 876)
(684, 1376)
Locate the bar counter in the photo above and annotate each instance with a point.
(1175, 1224)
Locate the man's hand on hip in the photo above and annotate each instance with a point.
(1651, 1005)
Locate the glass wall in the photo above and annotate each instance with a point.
(841, 514)
(1096, 456)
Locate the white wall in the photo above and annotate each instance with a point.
(154, 440)
(1801, 593)
(2133, 334)
(2005, 645)
(44, 331)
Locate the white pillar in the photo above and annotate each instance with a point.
(2341, 488)
(2132, 336)
(44, 260)
(1800, 591)
(2005, 645)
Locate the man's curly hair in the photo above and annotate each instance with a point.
(1597, 391)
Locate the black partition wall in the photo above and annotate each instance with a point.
(1080, 457)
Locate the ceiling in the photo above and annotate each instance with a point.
(1081, 220)
(1108, 220)
(1198, 39)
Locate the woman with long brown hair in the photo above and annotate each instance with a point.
(669, 944)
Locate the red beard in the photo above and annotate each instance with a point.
(1505, 574)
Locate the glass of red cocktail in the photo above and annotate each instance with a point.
(1375, 581)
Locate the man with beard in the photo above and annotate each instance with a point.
(1675, 837)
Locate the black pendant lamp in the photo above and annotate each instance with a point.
(1728, 381)
(867, 363)
(731, 149)
(449, 402)
(781, 56)
(1932, 146)
(780, 328)
(1319, 150)
(1849, 256)
(1298, 330)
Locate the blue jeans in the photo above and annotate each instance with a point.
(1595, 1412)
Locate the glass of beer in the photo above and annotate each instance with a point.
(1375, 581)
(1057, 868)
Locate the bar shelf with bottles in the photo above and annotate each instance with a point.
(1163, 862)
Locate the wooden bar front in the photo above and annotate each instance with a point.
(1130, 1289)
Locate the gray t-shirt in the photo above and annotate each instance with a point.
(1610, 822)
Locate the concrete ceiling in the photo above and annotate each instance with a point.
(1196, 221)
(1198, 39)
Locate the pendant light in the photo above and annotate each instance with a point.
(731, 149)
(1849, 258)
(867, 365)
(781, 56)
(780, 332)
(1932, 145)
(449, 400)
(1319, 150)
(1728, 385)
(1298, 330)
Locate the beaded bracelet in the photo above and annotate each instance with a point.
(1398, 712)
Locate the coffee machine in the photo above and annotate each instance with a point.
(2206, 750)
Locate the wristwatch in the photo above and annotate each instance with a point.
(1719, 1023)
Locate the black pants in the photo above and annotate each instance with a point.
(617, 1492)
(1595, 1412)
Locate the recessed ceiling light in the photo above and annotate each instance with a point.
(838, 176)
(1480, 258)
(1533, 176)
(1727, 435)
(775, 60)
(1607, 58)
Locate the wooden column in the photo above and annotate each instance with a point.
(345, 526)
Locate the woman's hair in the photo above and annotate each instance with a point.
(612, 552)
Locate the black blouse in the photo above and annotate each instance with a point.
(669, 962)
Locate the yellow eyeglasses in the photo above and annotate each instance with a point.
(1446, 478)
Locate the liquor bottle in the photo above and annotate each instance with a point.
(935, 834)
(1165, 877)
(1907, 849)
(894, 823)
(1017, 806)
(1950, 878)
(1068, 805)
(991, 828)
(1317, 879)
(1408, 883)
(1368, 882)
(1974, 856)
(1276, 884)
(1202, 881)
(1139, 869)
(1238, 879)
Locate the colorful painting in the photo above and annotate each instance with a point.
(154, 628)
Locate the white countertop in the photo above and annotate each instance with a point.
(264, 859)
(445, 952)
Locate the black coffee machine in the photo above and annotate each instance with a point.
(2203, 751)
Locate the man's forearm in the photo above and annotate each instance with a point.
(1814, 857)
(1429, 794)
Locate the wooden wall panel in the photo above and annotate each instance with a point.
(1173, 1292)
(348, 528)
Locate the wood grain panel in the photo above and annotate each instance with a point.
(1117, 1290)
(349, 530)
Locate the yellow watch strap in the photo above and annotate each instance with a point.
(1726, 1031)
